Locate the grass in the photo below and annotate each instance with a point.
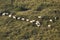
(11, 29)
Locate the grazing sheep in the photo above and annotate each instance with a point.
(7, 14)
(56, 18)
(14, 17)
(10, 15)
(22, 19)
(49, 25)
(3, 14)
(38, 23)
(50, 20)
(27, 20)
(39, 16)
(32, 21)
(18, 18)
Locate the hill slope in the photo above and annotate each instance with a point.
(11, 29)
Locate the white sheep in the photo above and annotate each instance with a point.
(27, 20)
(14, 17)
(18, 18)
(7, 13)
(49, 25)
(10, 15)
(3, 14)
(50, 20)
(38, 24)
(39, 16)
(55, 18)
(22, 19)
(32, 21)
(37, 21)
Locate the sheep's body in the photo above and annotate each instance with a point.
(39, 16)
(51, 20)
(22, 19)
(3, 14)
(14, 17)
(27, 20)
(49, 25)
(18, 18)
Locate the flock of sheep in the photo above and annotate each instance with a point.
(36, 22)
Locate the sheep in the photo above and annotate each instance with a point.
(39, 16)
(7, 14)
(27, 20)
(49, 25)
(32, 21)
(3, 14)
(14, 17)
(56, 18)
(18, 18)
(38, 23)
(22, 19)
(50, 20)
(10, 15)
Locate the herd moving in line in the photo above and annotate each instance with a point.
(36, 22)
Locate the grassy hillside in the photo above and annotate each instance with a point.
(11, 29)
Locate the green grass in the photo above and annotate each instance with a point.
(11, 29)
